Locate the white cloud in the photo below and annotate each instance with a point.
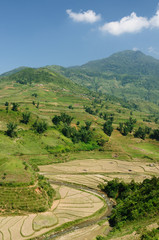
(154, 21)
(88, 16)
(128, 24)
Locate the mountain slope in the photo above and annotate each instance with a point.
(128, 74)
(126, 62)
(12, 71)
(43, 75)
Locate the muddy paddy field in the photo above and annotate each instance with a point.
(76, 201)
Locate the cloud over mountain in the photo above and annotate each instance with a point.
(130, 24)
(89, 16)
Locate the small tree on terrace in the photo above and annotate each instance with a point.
(56, 120)
(40, 126)
(88, 124)
(26, 117)
(11, 127)
(15, 107)
(108, 128)
(65, 118)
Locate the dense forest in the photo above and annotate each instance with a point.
(133, 200)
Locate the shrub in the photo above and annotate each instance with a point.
(40, 126)
(11, 127)
(140, 133)
(15, 107)
(134, 200)
(108, 128)
(26, 117)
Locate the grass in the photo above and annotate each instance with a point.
(20, 200)
(129, 228)
(44, 221)
(51, 146)
(14, 171)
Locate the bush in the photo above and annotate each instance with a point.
(11, 127)
(40, 126)
(134, 200)
(140, 133)
(150, 235)
(26, 117)
(127, 127)
(65, 118)
(155, 134)
(15, 107)
(108, 128)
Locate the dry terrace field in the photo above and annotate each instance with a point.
(72, 205)
(93, 172)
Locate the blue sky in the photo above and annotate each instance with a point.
(36, 33)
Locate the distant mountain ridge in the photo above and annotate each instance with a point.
(13, 71)
(125, 62)
(127, 74)
(28, 76)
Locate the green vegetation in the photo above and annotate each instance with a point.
(151, 235)
(26, 117)
(127, 127)
(155, 134)
(128, 74)
(47, 118)
(39, 126)
(107, 127)
(134, 200)
(11, 127)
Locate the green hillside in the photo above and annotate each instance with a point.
(47, 118)
(126, 62)
(128, 74)
(12, 71)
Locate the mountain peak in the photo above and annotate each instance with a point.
(125, 62)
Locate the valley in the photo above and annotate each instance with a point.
(61, 143)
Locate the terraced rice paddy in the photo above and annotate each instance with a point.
(93, 172)
(72, 205)
(23, 198)
(87, 233)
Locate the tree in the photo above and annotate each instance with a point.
(6, 104)
(140, 133)
(155, 134)
(26, 117)
(56, 120)
(108, 128)
(88, 124)
(127, 127)
(40, 126)
(85, 135)
(37, 105)
(15, 107)
(11, 127)
(70, 107)
(65, 118)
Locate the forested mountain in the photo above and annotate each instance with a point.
(42, 76)
(12, 71)
(128, 74)
(126, 62)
